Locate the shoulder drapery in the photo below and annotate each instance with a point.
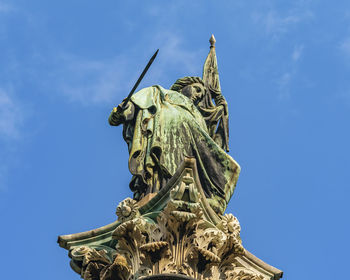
(216, 118)
(161, 127)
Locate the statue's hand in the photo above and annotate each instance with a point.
(221, 101)
(116, 117)
(214, 92)
(121, 114)
(115, 110)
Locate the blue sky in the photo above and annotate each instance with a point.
(284, 68)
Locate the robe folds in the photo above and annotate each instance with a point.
(163, 126)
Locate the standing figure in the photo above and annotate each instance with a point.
(162, 127)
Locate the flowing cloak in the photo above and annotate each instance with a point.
(163, 126)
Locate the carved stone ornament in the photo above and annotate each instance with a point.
(181, 240)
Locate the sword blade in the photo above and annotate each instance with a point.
(141, 77)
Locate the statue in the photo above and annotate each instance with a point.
(162, 127)
(174, 227)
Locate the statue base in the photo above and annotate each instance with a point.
(174, 235)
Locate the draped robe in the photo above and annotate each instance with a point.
(163, 126)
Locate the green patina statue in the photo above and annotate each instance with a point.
(183, 178)
(162, 127)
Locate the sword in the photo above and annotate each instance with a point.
(141, 77)
(120, 108)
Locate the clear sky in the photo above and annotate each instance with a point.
(284, 69)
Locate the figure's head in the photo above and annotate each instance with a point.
(192, 87)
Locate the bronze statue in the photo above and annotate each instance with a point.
(162, 127)
(174, 228)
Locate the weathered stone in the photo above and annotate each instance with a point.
(182, 238)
